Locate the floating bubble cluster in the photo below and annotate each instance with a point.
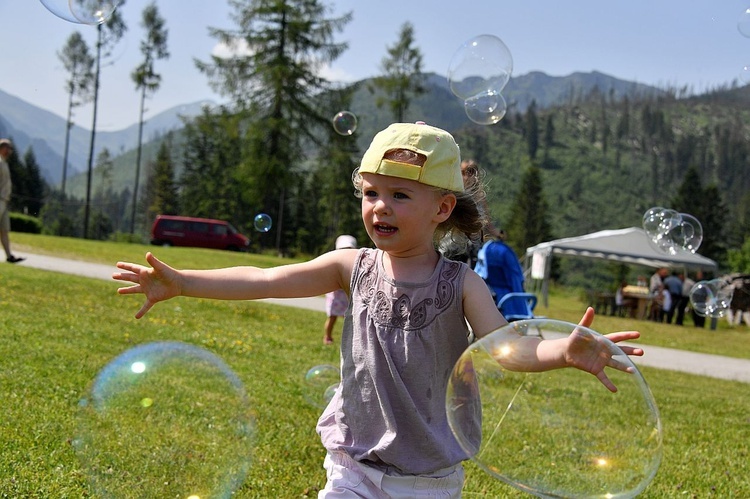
(165, 419)
(559, 433)
(262, 222)
(712, 298)
(478, 73)
(672, 232)
(344, 123)
(82, 11)
(321, 383)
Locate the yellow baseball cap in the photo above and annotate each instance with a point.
(441, 169)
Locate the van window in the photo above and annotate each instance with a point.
(176, 225)
(200, 227)
(220, 230)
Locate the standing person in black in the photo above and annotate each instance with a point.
(674, 286)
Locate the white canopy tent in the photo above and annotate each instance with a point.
(629, 245)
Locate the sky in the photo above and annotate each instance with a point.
(657, 42)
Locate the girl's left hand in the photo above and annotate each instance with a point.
(592, 354)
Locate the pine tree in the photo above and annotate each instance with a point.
(706, 205)
(273, 76)
(211, 184)
(79, 64)
(153, 47)
(531, 130)
(34, 186)
(529, 219)
(165, 193)
(402, 72)
(107, 36)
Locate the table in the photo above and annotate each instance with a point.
(642, 299)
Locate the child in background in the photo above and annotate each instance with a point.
(337, 301)
(385, 430)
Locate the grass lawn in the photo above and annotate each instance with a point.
(59, 331)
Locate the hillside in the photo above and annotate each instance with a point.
(45, 132)
(608, 149)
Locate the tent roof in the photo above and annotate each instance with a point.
(629, 245)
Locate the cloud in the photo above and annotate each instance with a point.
(236, 48)
(335, 74)
(240, 48)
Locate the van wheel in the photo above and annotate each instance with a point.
(232, 248)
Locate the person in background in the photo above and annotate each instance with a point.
(666, 303)
(337, 301)
(673, 285)
(498, 265)
(684, 301)
(698, 320)
(6, 148)
(657, 279)
(655, 286)
(622, 303)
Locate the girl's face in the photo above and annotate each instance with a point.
(401, 215)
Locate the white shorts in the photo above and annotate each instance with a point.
(348, 478)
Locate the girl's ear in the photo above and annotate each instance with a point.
(446, 203)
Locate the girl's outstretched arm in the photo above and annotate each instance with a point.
(161, 282)
(580, 350)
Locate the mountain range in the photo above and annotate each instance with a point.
(31, 126)
(44, 131)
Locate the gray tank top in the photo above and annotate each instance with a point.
(399, 345)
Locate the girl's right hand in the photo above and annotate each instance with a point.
(159, 282)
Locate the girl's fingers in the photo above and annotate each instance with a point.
(119, 276)
(606, 381)
(130, 290)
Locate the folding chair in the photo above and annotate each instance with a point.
(517, 306)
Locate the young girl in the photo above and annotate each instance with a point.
(385, 430)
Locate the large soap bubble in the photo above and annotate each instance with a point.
(165, 419)
(559, 433)
(481, 64)
(712, 298)
(478, 72)
(82, 11)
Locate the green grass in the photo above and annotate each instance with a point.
(59, 331)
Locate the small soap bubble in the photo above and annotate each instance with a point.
(653, 218)
(82, 11)
(487, 108)
(345, 123)
(688, 236)
(711, 298)
(558, 433)
(165, 419)
(262, 222)
(672, 232)
(321, 383)
(743, 23)
(482, 64)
